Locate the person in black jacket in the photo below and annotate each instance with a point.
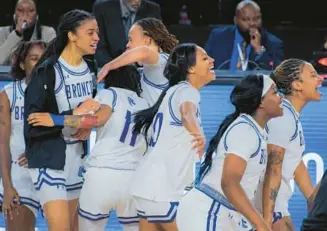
(115, 17)
(61, 80)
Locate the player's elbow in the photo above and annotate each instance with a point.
(228, 183)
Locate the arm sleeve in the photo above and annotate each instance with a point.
(7, 44)
(102, 54)
(37, 100)
(241, 140)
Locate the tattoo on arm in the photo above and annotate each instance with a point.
(85, 121)
(275, 158)
(273, 194)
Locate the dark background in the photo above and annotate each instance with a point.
(301, 24)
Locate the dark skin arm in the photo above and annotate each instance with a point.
(10, 193)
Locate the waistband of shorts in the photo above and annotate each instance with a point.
(215, 195)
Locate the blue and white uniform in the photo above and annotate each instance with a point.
(74, 84)
(20, 178)
(153, 82)
(168, 167)
(286, 132)
(111, 166)
(206, 207)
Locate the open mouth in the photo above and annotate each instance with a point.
(212, 69)
(94, 45)
(317, 89)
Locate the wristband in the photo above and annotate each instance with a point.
(58, 120)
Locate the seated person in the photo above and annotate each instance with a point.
(247, 45)
(26, 27)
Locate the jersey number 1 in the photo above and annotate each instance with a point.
(128, 121)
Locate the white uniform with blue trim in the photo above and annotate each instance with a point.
(111, 165)
(153, 82)
(74, 84)
(168, 167)
(205, 207)
(19, 176)
(286, 131)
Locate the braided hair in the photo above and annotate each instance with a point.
(287, 72)
(156, 30)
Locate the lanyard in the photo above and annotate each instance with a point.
(244, 62)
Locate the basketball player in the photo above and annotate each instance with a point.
(61, 80)
(111, 166)
(227, 181)
(175, 122)
(17, 195)
(149, 44)
(299, 82)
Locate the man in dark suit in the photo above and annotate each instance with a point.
(115, 18)
(246, 45)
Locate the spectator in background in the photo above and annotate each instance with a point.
(115, 17)
(26, 27)
(247, 45)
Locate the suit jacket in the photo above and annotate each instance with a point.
(9, 41)
(221, 42)
(113, 39)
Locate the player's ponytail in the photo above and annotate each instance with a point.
(143, 119)
(206, 164)
(181, 59)
(246, 98)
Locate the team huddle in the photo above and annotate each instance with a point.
(149, 137)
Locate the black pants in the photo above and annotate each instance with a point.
(317, 217)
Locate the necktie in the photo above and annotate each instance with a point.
(128, 21)
(243, 50)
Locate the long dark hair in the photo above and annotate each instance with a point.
(19, 56)
(127, 77)
(246, 98)
(181, 59)
(156, 30)
(68, 22)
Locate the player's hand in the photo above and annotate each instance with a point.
(199, 143)
(255, 39)
(10, 203)
(89, 106)
(82, 133)
(263, 227)
(40, 119)
(104, 71)
(22, 161)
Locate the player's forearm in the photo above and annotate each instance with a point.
(190, 122)
(5, 157)
(84, 121)
(140, 54)
(303, 181)
(237, 196)
(271, 185)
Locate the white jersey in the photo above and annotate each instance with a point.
(168, 167)
(286, 131)
(74, 84)
(116, 146)
(153, 82)
(15, 92)
(246, 139)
